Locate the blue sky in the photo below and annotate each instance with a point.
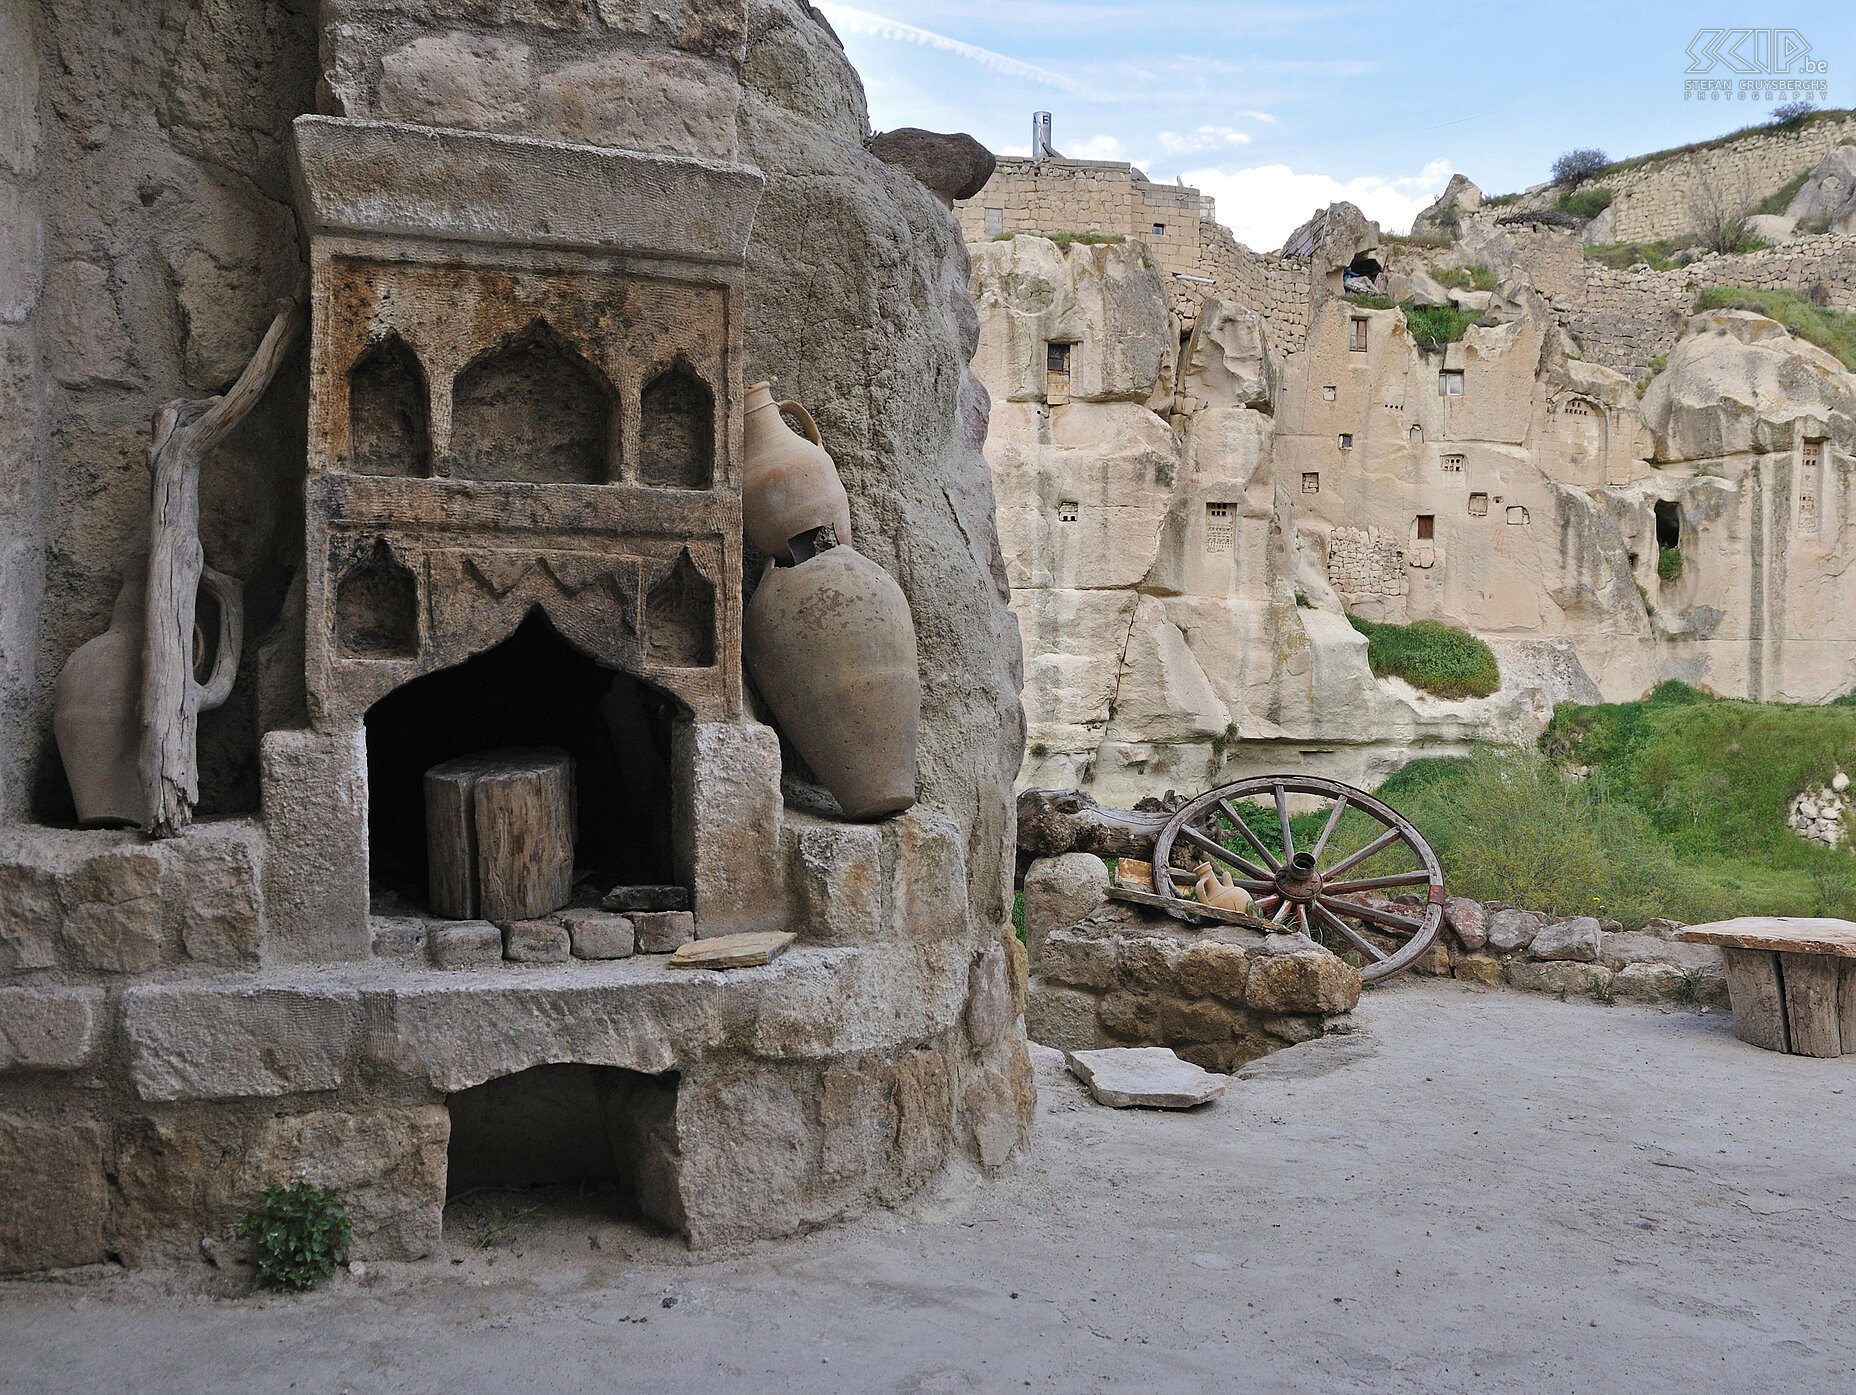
(1277, 109)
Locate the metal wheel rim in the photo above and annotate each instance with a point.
(1267, 878)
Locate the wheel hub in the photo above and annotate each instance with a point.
(1298, 880)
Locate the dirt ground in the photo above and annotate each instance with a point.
(1482, 1190)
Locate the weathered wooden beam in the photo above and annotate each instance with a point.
(1053, 822)
(172, 699)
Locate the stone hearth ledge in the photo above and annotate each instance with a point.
(280, 1033)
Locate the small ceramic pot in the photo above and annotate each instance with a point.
(830, 645)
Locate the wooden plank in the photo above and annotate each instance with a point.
(732, 951)
(1810, 981)
(1779, 933)
(1753, 987)
(1191, 908)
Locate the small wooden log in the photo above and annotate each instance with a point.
(1811, 1025)
(500, 834)
(1758, 1001)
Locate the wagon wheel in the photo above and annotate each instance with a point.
(1298, 885)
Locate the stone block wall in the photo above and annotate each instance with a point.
(1100, 196)
(1664, 196)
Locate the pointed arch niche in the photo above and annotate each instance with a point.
(388, 408)
(534, 411)
(676, 430)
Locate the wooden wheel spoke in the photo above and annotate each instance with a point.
(1379, 844)
(1255, 887)
(1398, 924)
(1301, 917)
(1359, 941)
(1213, 848)
(1416, 877)
(1282, 911)
(1327, 832)
(1269, 858)
(1282, 821)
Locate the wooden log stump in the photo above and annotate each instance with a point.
(1759, 1001)
(1811, 1004)
(499, 833)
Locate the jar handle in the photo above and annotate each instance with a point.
(804, 416)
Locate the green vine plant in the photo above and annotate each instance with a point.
(301, 1235)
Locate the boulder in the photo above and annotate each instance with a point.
(1574, 939)
(1418, 288)
(1478, 301)
(1512, 928)
(1773, 227)
(1618, 951)
(1444, 217)
(950, 166)
(1557, 976)
(1059, 891)
(1302, 982)
(1468, 920)
(1828, 192)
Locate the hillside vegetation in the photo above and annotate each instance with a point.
(1672, 806)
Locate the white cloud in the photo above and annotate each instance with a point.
(1262, 206)
(1096, 148)
(850, 21)
(1262, 116)
(1205, 138)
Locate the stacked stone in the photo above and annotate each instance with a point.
(1365, 562)
(1816, 815)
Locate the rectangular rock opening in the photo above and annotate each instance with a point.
(533, 691)
(597, 1136)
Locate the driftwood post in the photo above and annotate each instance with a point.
(185, 432)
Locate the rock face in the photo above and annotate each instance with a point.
(152, 1020)
(1444, 217)
(1827, 198)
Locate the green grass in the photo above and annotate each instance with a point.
(1775, 203)
(1448, 662)
(1433, 326)
(1586, 202)
(1714, 778)
(1622, 256)
(1832, 330)
(1370, 302)
(1457, 278)
(1018, 914)
(1668, 562)
(1064, 239)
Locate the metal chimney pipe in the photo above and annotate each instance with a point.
(1040, 134)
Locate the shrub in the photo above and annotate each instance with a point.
(1457, 278)
(1832, 330)
(1508, 825)
(1668, 562)
(1788, 112)
(1433, 326)
(302, 1233)
(1539, 217)
(1576, 165)
(1437, 658)
(1586, 204)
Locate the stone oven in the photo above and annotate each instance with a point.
(493, 500)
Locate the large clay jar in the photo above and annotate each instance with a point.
(96, 718)
(789, 487)
(831, 647)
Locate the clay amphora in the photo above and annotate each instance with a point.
(789, 486)
(831, 647)
(95, 714)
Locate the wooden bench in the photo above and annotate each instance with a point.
(1792, 980)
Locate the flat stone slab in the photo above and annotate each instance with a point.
(732, 951)
(1783, 934)
(1150, 1077)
